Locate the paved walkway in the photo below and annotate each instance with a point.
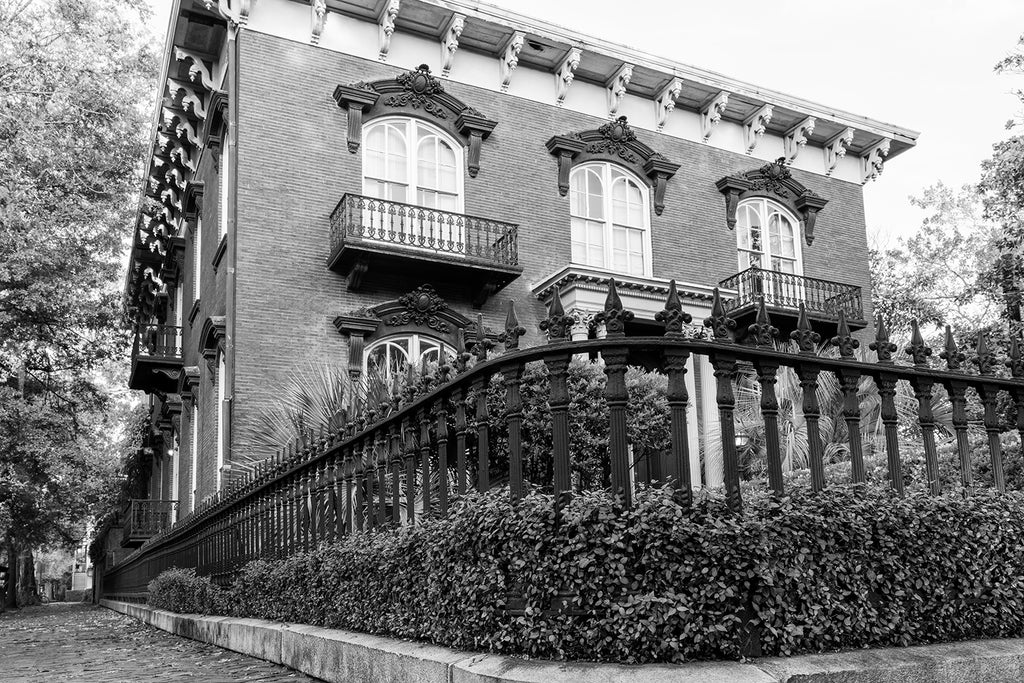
(72, 642)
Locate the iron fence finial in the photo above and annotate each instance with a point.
(918, 350)
(673, 317)
(844, 340)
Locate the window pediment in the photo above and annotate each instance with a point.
(616, 142)
(775, 181)
(415, 93)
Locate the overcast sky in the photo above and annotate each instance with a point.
(922, 64)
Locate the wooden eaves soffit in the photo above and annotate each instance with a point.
(516, 42)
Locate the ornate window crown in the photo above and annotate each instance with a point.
(614, 141)
(775, 181)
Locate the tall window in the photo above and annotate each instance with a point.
(610, 219)
(391, 356)
(220, 417)
(175, 467)
(197, 257)
(195, 452)
(409, 161)
(224, 177)
(767, 237)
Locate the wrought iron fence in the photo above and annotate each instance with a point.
(375, 470)
(365, 218)
(147, 518)
(786, 290)
(157, 341)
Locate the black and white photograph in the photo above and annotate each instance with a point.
(511, 341)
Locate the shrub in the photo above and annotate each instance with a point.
(845, 567)
(180, 590)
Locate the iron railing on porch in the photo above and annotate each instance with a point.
(787, 290)
(157, 341)
(445, 232)
(362, 476)
(147, 518)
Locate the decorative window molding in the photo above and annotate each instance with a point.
(216, 123)
(421, 311)
(616, 142)
(666, 101)
(835, 149)
(795, 139)
(386, 23)
(509, 59)
(755, 125)
(317, 19)
(566, 73)
(415, 93)
(192, 202)
(711, 113)
(616, 88)
(188, 384)
(212, 334)
(871, 162)
(774, 181)
(450, 42)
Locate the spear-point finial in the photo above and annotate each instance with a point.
(882, 346)
(986, 359)
(843, 340)
(483, 344)
(918, 350)
(720, 323)
(1015, 363)
(673, 317)
(461, 355)
(761, 332)
(614, 316)
(557, 324)
(806, 339)
(951, 354)
(513, 330)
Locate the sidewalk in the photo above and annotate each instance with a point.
(72, 642)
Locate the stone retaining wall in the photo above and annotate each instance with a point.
(344, 656)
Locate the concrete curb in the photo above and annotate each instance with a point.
(343, 656)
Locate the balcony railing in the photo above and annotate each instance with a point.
(157, 341)
(360, 219)
(146, 518)
(821, 298)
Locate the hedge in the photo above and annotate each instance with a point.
(847, 567)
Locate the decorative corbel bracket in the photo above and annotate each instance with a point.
(666, 101)
(659, 170)
(355, 100)
(616, 88)
(871, 161)
(796, 138)
(450, 42)
(755, 125)
(509, 59)
(566, 73)
(732, 187)
(565, 148)
(234, 11)
(386, 24)
(188, 384)
(711, 114)
(190, 101)
(317, 19)
(198, 72)
(835, 149)
(476, 127)
(808, 205)
(356, 328)
(185, 131)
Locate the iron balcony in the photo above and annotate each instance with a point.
(146, 518)
(375, 237)
(156, 358)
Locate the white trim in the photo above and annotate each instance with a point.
(415, 349)
(221, 372)
(766, 208)
(194, 495)
(197, 258)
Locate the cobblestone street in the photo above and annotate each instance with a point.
(77, 642)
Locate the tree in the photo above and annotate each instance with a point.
(74, 82)
(937, 274)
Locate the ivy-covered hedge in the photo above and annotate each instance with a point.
(845, 568)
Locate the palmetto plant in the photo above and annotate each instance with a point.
(793, 444)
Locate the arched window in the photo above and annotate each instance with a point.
(767, 237)
(407, 160)
(391, 356)
(610, 219)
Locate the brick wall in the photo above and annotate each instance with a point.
(293, 167)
